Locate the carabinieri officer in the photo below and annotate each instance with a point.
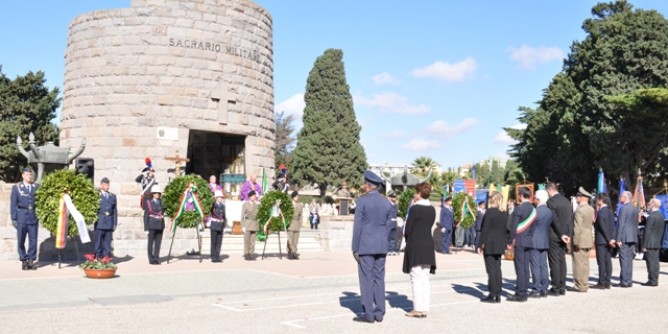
(22, 208)
(107, 218)
(370, 245)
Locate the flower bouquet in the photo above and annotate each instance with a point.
(98, 268)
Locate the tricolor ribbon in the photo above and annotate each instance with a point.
(65, 209)
(275, 212)
(466, 210)
(189, 202)
(526, 223)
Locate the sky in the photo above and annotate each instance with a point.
(435, 78)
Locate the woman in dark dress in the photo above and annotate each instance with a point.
(419, 256)
(493, 244)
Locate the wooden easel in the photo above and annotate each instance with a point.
(280, 251)
(76, 250)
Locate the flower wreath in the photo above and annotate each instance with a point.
(172, 199)
(270, 219)
(464, 209)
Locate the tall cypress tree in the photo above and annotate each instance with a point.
(328, 147)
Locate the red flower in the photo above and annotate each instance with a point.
(89, 257)
(106, 259)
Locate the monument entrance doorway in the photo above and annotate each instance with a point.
(217, 153)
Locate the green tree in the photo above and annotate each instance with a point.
(483, 174)
(284, 139)
(422, 166)
(577, 128)
(26, 105)
(328, 149)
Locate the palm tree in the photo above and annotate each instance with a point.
(423, 165)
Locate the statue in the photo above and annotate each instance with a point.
(48, 157)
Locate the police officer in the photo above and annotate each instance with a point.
(155, 223)
(22, 208)
(107, 218)
(370, 245)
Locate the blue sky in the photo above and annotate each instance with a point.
(429, 78)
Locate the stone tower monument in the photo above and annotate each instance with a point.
(168, 76)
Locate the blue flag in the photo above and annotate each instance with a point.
(602, 188)
(622, 188)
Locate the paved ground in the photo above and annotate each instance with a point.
(317, 294)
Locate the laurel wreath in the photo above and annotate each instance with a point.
(171, 199)
(457, 202)
(264, 213)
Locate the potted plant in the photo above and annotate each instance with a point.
(98, 268)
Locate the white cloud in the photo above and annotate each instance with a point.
(394, 134)
(419, 144)
(529, 57)
(385, 79)
(392, 103)
(292, 106)
(445, 130)
(442, 70)
(503, 138)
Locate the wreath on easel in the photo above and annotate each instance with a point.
(274, 218)
(173, 197)
(464, 209)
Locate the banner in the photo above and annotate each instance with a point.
(639, 195)
(470, 187)
(601, 186)
(78, 218)
(664, 205)
(61, 226)
(481, 196)
(459, 186)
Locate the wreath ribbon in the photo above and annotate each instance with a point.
(466, 210)
(65, 209)
(189, 197)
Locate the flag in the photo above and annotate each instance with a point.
(602, 188)
(265, 182)
(622, 189)
(189, 202)
(61, 226)
(639, 194)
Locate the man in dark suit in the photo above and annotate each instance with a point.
(604, 238)
(519, 237)
(370, 244)
(651, 244)
(447, 220)
(22, 209)
(478, 222)
(540, 244)
(627, 238)
(560, 234)
(107, 218)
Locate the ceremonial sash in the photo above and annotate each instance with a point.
(526, 223)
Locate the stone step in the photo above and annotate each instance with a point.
(234, 244)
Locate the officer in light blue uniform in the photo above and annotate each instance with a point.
(370, 245)
(22, 209)
(107, 218)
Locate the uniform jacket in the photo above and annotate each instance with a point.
(604, 227)
(296, 222)
(419, 242)
(653, 230)
(562, 216)
(372, 224)
(627, 230)
(154, 214)
(107, 215)
(493, 232)
(22, 203)
(521, 213)
(249, 216)
(582, 226)
(541, 231)
(447, 218)
(217, 216)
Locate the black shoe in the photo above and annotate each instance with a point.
(362, 319)
(295, 256)
(598, 286)
(32, 265)
(543, 294)
(534, 294)
(622, 285)
(252, 257)
(379, 319)
(24, 265)
(517, 298)
(554, 292)
(495, 299)
(650, 284)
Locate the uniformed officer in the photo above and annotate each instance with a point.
(155, 223)
(370, 245)
(22, 208)
(107, 218)
(249, 225)
(520, 232)
(295, 226)
(217, 226)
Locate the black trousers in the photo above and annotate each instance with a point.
(24, 230)
(556, 256)
(216, 243)
(652, 260)
(493, 268)
(522, 269)
(154, 242)
(604, 262)
(103, 243)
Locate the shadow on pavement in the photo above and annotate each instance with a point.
(399, 301)
(468, 290)
(351, 301)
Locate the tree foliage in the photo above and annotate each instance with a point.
(284, 138)
(26, 105)
(590, 115)
(328, 149)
